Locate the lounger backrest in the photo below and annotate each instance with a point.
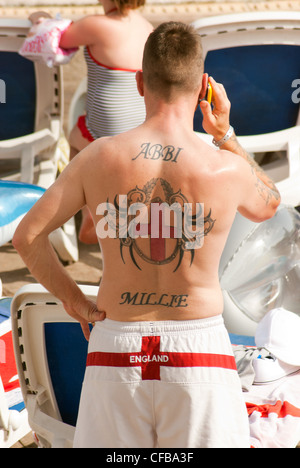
(51, 356)
(31, 93)
(17, 114)
(66, 350)
(257, 58)
(258, 80)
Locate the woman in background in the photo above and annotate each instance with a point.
(113, 48)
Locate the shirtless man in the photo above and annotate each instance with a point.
(160, 368)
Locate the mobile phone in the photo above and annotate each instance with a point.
(208, 95)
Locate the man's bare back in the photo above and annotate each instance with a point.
(160, 278)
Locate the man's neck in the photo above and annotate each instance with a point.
(168, 115)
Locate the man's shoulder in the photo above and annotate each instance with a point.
(234, 160)
(101, 145)
(220, 165)
(96, 153)
(110, 151)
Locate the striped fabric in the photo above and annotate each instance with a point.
(113, 103)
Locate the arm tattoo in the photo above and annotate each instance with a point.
(265, 186)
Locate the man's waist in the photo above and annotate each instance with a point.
(136, 306)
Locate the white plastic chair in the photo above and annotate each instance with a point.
(13, 425)
(50, 354)
(13, 415)
(31, 121)
(33, 124)
(257, 58)
(78, 104)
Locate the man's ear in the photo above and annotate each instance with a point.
(140, 82)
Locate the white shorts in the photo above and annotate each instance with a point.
(161, 384)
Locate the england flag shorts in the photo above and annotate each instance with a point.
(161, 385)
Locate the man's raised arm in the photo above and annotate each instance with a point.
(216, 122)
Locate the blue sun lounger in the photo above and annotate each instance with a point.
(31, 115)
(256, 56)
(13, 415)
(51, 356)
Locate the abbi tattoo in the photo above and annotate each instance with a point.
(157, 151)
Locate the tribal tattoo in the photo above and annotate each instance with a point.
(185, 236)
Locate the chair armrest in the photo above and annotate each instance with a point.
(38, 141)
(275, 141)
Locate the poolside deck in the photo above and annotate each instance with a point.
(157, 11)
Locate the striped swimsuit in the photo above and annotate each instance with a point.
(113, 103)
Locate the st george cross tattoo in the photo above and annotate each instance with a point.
(186, 235)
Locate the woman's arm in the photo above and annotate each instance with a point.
(84, 32)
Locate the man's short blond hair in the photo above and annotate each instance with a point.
(173, 60)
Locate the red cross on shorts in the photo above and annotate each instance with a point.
(157, 245)
(150, 359)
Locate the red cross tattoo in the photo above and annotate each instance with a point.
(157, 245)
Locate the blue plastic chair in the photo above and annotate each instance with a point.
(17, 115)
(31, 123)
(13, 415)
(51, 356)
(256, 56)
(258, 81)
(31, 116)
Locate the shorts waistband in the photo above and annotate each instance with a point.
(160, 326)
